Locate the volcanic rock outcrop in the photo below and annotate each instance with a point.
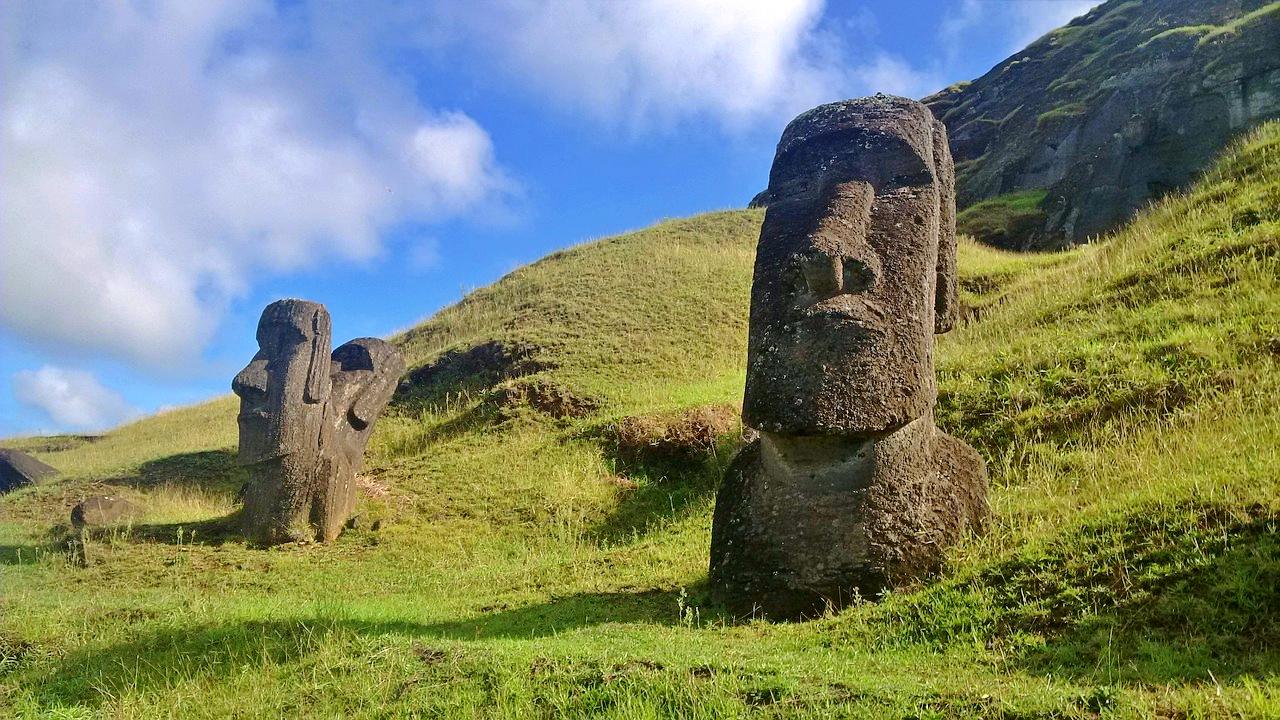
(305, 418)
(1122, 105)
(850, 488)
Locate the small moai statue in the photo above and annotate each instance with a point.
(850, 488)
(305, 418)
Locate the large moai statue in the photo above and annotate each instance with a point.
(850, 488)
(305, 418)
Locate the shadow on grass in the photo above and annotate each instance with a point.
(662, 482)
(561, 614)
(28, 554)
(214, 531)
(1204, 610)
(210, 470)
(153, 661)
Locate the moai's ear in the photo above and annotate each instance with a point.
(318, 382)
(946, 303)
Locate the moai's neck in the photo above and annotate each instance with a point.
(834, 461)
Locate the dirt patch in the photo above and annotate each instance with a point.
(371, 488)
(689, 435)
(479, 366)
(545, 397)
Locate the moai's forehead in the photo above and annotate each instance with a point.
(307, 318)
(881, 131)
(878, 115)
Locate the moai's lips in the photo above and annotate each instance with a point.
(847, 308)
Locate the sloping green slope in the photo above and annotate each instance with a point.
(547, 502)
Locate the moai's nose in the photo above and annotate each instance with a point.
(826, 275)
(837, 259)
(251, 382)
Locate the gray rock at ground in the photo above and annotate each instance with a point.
(850, 488)
(104, 511)
(18, 469)
(305, 417)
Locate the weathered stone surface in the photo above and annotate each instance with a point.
(1123, 105)
(850, 488)
(103, 511)
(843, 301)
(18, 469)
(305, 418)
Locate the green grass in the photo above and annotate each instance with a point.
(1182, 31)
(1122, 393)
(1268, 11)
(1070, 111)
(1003, 220)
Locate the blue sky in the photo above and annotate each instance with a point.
(167, 169)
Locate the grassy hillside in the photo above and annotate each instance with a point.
(546, 508)
(1002, 220)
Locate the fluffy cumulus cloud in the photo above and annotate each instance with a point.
(70, 398)
(649, 63)
(157, 155)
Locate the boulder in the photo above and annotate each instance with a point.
(104, 511)
(18, 469)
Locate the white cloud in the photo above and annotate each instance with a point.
(647, 63)
(888, 74)
(424, 255)
(71, 398)
(157, 156)
(1020, 21)
(455, 156)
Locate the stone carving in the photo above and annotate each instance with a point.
(305, 418)
(850, 488)
(18, 470)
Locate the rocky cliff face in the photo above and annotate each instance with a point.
(1118, 107)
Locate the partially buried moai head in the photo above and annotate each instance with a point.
(365, 373)
(854, 273)
(284, 387)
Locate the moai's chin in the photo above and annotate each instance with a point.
(806, 524)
